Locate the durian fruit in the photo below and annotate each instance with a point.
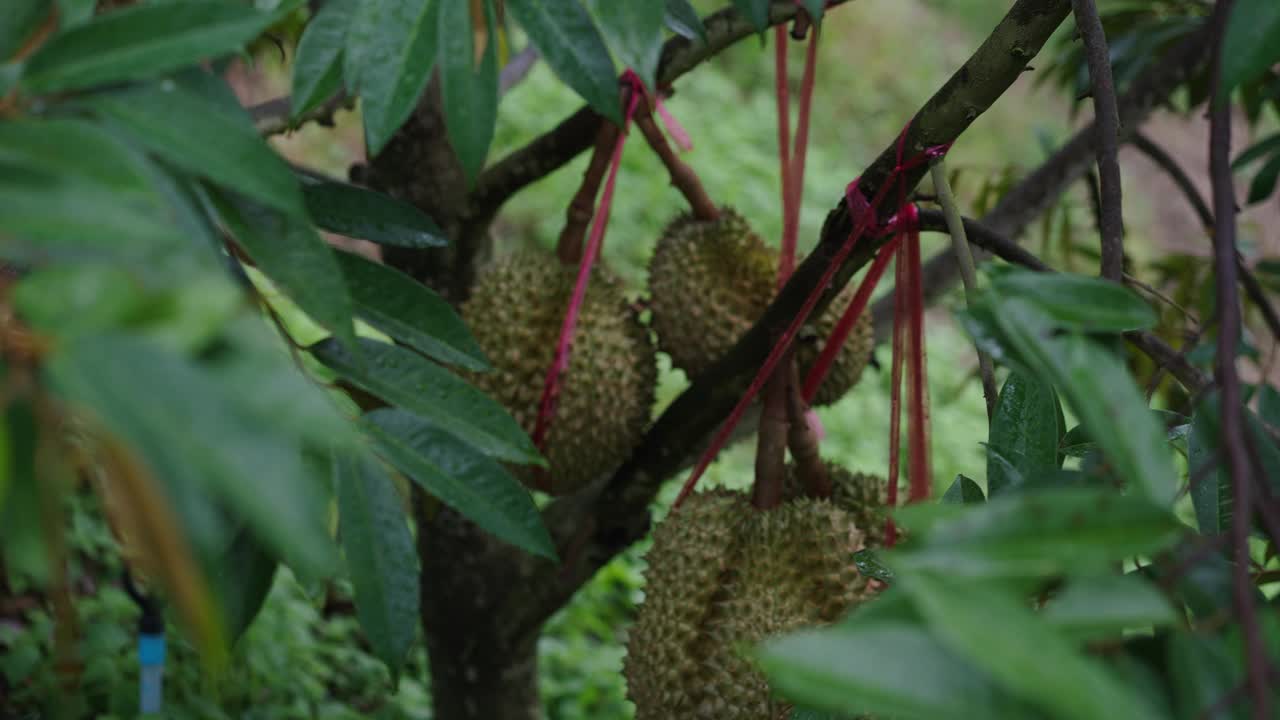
(711, 280)
(723, 576)
(515, 313)
(865, 497)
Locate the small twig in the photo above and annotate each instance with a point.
(968, 274)
(582, 206)
(771, 442)
(804, 443)
(1153, 292)
(1233, 429)
(275, 116)
(1166, 162)
(1107, 112)
(682, 176)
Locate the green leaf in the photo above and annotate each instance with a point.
(410, 312)
(75, 12)
(71, 191)
(1098, 387)
(815, 9)
(22, 545)
(1250, 43)
(868, 563)
(469, 86)
(356, 212)
(390, 53)
(465, 480)
(317, 66)
(1269, 405)
(634, 30)
(963, 492)
(381, 560)
(756, 11)
(1203, 672)
(403, 378)
(195, 434)
(1024, 429)
(1264, 183)
(568, 40)
(242, 576)
(291, 253)
(1104, 606)
(1040, 532)
(1000, 635)
(886, 669)
(194, 133)
(1212, 495)
(683, 20)
(22, 18)
(142, 42)
(1079, 302)
(1263, 148)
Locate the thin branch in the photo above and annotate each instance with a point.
(275, 116)
(960, 246)
(1180, 178)
(517, 69)
(803, 441)
(1107, 114)
(553, 149)
(682, 176)
(1227, 307)
(582, 206)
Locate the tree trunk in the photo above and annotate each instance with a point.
(481, 666)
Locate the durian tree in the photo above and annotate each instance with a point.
(466, 436)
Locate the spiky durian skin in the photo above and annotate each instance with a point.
(711, 280)
(723, 576)
(865, 497)
(515, 313)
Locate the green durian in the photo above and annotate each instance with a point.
(723, 576)
(711, 280)
(515, 313)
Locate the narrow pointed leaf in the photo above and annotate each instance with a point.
(1250, 42)
(1024, 429)
(403, 378)
(1105, 606)
(756, 11)
(634, 31)
(292, 254)
(568, 40)
(462, 478)
(1079, 302)
(193, 433)
(1026, 656)
(317, 68)
(390, 52)
(470, 87)
(377, 217)
(180, 126)
(683, 20)
(381, 560)
(141, 42)
(410, 312)
(963, 491)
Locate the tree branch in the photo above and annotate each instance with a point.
(1170, 166)
(1107, 114)
(555, 148)
(617, 513)
(1227, 306)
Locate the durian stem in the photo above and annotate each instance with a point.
(771, 442)
(682, 176)
(803, 442)
(582, 207)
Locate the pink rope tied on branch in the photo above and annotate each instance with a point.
(863, 215)
(560, 363)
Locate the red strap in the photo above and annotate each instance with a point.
(551, 386)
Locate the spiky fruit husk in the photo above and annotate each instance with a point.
(711, 280)
(723, 576)
(865, 497)
(515, 313)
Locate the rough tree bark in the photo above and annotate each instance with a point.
(484, 603)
